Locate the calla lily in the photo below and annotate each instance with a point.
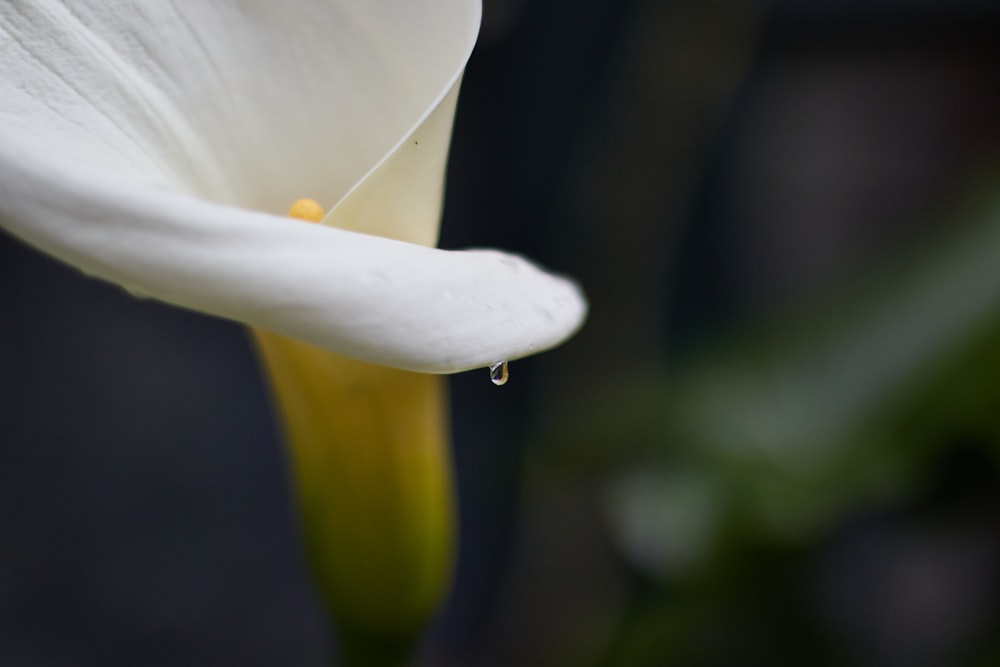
(159, 146)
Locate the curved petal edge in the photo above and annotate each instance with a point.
(384, 301)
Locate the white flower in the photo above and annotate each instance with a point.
(158, 145)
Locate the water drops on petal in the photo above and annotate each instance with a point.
(499, 373)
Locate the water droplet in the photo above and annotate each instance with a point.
(498, 373)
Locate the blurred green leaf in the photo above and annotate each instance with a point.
(795, 424)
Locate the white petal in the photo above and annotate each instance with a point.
(252, 102)
(121, 121)
(384, 301)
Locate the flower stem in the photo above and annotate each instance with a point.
(372, 472)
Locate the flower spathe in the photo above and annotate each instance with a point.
(158, 146)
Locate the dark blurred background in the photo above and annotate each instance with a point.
(776, 441)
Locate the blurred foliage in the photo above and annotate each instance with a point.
(726, 474)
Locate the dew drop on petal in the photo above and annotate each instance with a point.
(498, 373)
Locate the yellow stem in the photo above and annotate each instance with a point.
(370, 457)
